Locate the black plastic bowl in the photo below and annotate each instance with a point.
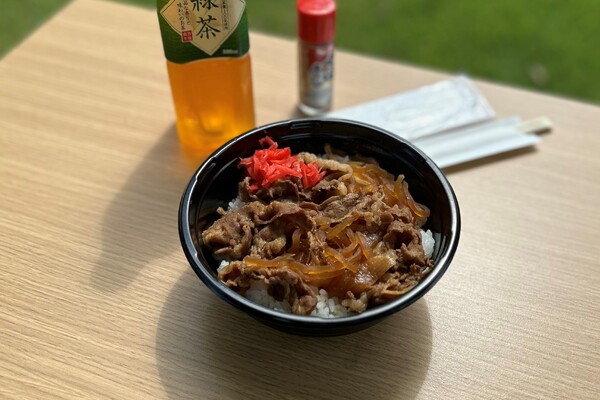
(216, 182)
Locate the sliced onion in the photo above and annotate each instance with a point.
(334, 257)
(366, 249)
(349, 250)
(341, 226)
(279, 262)
(295, 241)
(380, 264)
(418, 209)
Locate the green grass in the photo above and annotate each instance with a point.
(547, 45)
(19, 18)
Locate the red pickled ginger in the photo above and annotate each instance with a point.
(267, 166)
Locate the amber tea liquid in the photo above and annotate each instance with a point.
(213, 100)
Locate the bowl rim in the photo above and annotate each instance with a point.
(379, 312)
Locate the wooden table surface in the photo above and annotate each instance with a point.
(98, 301)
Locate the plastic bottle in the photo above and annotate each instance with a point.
(316, 31)
(206, 44)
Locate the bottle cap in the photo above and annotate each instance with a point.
(316, 20)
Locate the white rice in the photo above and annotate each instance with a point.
(329, 307)
(258, 294)
(222, 265)
(235, 204)
(428, 242)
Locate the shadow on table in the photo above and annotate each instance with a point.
(201, 353)
(140, 224)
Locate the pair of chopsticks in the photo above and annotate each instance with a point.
(459, 146)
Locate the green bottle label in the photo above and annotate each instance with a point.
(197, 29)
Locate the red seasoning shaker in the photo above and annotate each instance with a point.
(316, 30)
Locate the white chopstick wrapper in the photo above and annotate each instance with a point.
(456, 147)
(439, 107)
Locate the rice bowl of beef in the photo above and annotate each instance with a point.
(326, 239)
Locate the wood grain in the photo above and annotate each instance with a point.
(97, 299)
